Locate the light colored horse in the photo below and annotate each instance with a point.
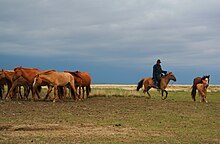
(196, 81)
(55, 79)
(149, 83)
(202, 90)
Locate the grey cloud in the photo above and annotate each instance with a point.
(110, 31)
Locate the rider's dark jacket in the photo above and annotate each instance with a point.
(157, 72)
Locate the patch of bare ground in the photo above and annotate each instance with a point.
(15, 131)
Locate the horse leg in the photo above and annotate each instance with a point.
(147, 90)
(206, 97)
(26, 91)
(80, 87)
(65, 91)
(163, 98)
(38, 95)
(48, 92)
(1, 93)
(80, 94)
(73, 90)
(193, 92)
(33, 93)
(10, 91)
(87, 92)
(83, 97)
(55, 93)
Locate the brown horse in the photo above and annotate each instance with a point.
(14, 85)
(149, 83)
(202, 90)
(2, 83)
(55, 79)
(82, 79)
(28, 74)
(196, 81)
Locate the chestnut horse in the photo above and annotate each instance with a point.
(202, 90)
(82, 79)
(149, 83)
(55, 79)
(196, 81)
(28, 74)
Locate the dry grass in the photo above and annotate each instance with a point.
(113, 114)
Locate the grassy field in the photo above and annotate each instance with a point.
(114, 114)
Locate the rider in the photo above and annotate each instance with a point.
(157, 73)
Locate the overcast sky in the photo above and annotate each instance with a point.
(117, 41)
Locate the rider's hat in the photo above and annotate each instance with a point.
(158, 61)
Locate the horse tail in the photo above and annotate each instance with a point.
(140, 84)
(89, 88)
(193, 92)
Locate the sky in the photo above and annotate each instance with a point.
(116, 41)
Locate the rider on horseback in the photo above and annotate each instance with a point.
(157, 73)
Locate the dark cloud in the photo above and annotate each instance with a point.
(113, 32)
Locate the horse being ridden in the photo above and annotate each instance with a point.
(196, 81)
(202, 90)
(149, 83)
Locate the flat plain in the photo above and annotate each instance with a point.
(114, 114)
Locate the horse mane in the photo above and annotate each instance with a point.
(166, 74)
(47, 72)
(75, 73)
(205, 76)
(20, 67)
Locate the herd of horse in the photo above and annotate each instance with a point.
(32, 79)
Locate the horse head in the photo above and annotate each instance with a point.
(2, 74)
(206, 77)
(17, 73)
(37, 80)
(171, 76)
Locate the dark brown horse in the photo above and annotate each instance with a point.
(82, 79)
(149, 83)
(2, 83)
(15, 85)
(196, 81)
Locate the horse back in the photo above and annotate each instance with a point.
(197, 80)
(148, 81)
(86, 78)
(81, 78)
